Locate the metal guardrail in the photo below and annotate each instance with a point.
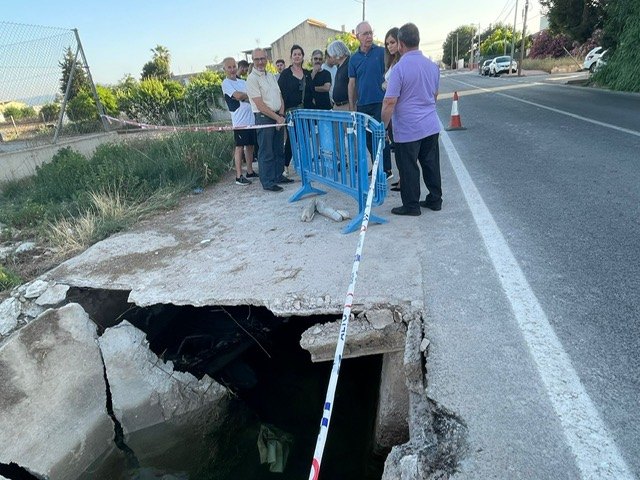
(330, 148)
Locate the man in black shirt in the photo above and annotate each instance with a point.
(339, 52)
(321, 82)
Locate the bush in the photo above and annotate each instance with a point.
(135, 171)
(547, 45)
(108, 100)
(82, 107)
(50, 112)
(28, 112)
(622, 71)
(61, 179)
(12, 111)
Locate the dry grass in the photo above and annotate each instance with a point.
(552, 65)
(109, 213)
(73, 234)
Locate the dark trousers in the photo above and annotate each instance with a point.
(375, 110)
(427, 152)
(270, 154)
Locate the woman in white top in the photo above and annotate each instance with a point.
(391, 57)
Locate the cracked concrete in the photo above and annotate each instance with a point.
(231, 246)
(53, 417)
(227, 247)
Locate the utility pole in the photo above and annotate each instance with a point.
(363, 4)
(524, 31)
(456, 50)
(452, 59)
(473, 37)
(513, 38)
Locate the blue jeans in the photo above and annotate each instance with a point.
(375, 110)
(270, 151)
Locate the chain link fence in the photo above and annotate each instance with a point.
(35, 74)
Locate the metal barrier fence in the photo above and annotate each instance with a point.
(331, 148)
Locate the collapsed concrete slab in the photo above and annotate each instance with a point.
(147, 392)
(363, 338)
(53, 417)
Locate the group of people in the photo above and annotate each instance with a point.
(395, 84)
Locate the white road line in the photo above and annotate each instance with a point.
(597, 456)
(555, 110)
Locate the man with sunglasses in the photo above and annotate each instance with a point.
(366, 75)
(321, 82)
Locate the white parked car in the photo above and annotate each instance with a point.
(501, 65)
(592, 58)
(601, 61)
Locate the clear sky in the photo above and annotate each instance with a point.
(117, 35)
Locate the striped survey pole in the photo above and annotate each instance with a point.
(342, 336)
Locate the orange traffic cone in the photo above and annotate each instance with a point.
(455, 123)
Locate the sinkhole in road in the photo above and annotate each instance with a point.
(257, 356)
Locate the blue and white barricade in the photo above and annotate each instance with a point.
(331, 148)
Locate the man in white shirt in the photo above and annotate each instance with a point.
(268, 107)
(332, 68)
(235, 94)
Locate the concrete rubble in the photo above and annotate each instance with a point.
(28, 301)
(53, 416)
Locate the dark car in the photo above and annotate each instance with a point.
(484, 68)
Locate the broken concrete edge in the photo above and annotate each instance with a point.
(145, 390)
(49, 368)
(378, 329)
(71, 462)
(437, 440)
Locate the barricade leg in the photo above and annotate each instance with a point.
(354, 224)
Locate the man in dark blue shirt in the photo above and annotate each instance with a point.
(366, 74)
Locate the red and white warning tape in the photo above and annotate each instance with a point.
(188, 128)
(342, 336)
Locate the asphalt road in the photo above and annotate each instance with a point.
(539, 355)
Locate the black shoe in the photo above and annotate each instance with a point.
(406, 211)
(274, 188)
(431, 205)
(284, 179)
(252, 175)
(396, 184)
(395, 189)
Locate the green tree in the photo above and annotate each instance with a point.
(575, 18)
(348, 38)
(499, 42)
(80, 80)
(463, 37)
(148, 101)
(203, 94)
(159, 65)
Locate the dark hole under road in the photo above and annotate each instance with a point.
(257, 355)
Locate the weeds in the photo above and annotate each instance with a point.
(8, 279)
(72, 202)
